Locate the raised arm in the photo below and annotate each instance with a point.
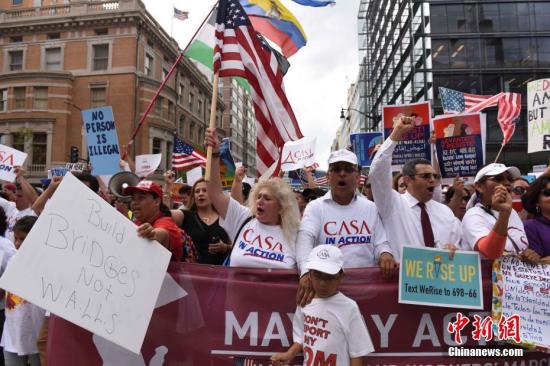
(237, 186)
(40, 202)
(26, 188)
(218, 198)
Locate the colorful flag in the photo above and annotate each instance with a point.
(180, 14)
(315, 3)
(184, 156)
(239, 52)
(509, 107)
(273, 20)
(226, 159)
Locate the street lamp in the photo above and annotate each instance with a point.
(372, 117)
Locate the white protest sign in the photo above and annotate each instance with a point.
(526, 292)
(250, 181)
(194, 175)
(84, 262)
(10, 158)
(147, 164)
(538, 115)
(297, 154)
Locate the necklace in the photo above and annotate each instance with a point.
(208, 219)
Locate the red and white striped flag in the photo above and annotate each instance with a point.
(322, 181)
(184, 156)
(362, 179)
(239, 52)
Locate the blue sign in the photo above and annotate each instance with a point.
(428, 277)
(363, 145)
(102, 139)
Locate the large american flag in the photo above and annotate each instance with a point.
(239, 52)
(509, 107)
(184, 156)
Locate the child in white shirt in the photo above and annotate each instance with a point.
(23, 319)
(330, 330)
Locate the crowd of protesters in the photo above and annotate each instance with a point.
(271, 226)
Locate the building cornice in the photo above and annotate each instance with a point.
(19, 75)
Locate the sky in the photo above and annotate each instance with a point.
(320, 73)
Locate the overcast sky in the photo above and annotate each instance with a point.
(320, 73)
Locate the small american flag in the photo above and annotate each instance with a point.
(321, 181)
(180, 14)
(362, 179)
(184, 156)
(509, 107)
(243, 362)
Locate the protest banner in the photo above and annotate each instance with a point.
(101, 136)
(363, 145)
(247, 312)
(194, 175)
(415, 144)
(428, 277)
(459, 144)
(227, 164)
(298, 154)
(147, 164)
(521, 289)
(538, 115)
(84, 262)
(10, 158)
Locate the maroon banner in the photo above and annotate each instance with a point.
(235, 312)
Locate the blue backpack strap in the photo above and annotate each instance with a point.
(226, 262)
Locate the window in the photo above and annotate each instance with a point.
(199, 108)
(16, 60)
(192, 132)
(16, 2)
(168, 160)
(170, 110)
(157, 108)
(53, 58)
(101, 57)
(3, 100)
(39, 147)
(54, 36)
(19, 141)
(40, 97)
(16, 39)
(148, 65)
(191, 101)
(180, 94)
(19, 97)
(164, 73)
(98, 97)
(157, 146)
(101, 32)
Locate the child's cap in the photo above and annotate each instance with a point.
(325, 258)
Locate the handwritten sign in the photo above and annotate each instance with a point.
(10, 158)
(459, 144)
(147, 164)
(101, 136)
(83, 261)
(297, 154)
(415, 144)
(538, 115)
(428, 277)
(523, 289)
(363, 145)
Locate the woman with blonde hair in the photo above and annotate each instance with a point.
(265, 232)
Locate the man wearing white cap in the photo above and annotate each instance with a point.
(412, 218)
(492, 227)
(344, 218)
(330, 330)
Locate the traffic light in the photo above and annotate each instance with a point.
(74, 154)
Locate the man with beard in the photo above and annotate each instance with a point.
(413, 218)
(344, 218)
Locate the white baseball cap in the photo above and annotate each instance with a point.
(342, 155)
(325, 258)
(495, 169)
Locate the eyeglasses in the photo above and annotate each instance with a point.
(428, 176)
(546, 192)
(519, 190)
(345, 168)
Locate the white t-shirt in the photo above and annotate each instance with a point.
(355, 228)
(22, 326)
(258, 245)
(7, 250)
(13, 214)
(477, 223)
(331, 330)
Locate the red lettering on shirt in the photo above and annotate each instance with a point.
(353, 227)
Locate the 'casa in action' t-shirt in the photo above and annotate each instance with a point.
(258, 245)
(331, 331)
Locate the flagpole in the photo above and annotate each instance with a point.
(501, 147)
(212, 124)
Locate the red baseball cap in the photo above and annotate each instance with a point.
(145, 186)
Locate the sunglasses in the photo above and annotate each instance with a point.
(546, 192)
(499, 178)
(428, 176)
(519, 190)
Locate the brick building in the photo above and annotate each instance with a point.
(59, 57)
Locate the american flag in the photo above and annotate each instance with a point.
(243, 362)
(509, 107)
(362, 179)
(180, 14)
(239, 52)
(321, 181)
(184, 156)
